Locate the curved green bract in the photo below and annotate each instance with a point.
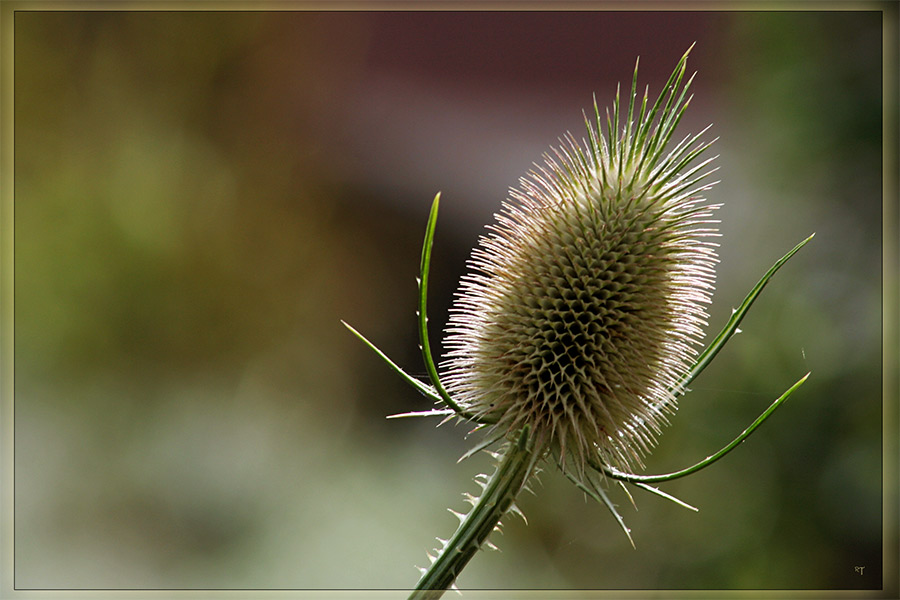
(423, 318)
(632, 478)
(731, 326)
(436, 393)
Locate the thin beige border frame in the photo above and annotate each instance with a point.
(890, 282)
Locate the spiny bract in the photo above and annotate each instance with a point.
(585, 301)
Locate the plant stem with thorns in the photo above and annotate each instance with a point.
(515, 467)
(574, 336)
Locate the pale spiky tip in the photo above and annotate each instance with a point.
(586, 300)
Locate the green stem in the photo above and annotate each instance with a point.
(499, 495)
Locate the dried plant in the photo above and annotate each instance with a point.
(577, 328)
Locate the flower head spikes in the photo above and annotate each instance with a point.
(585, 302)
(576, 329)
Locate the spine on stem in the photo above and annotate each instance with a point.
(515, 467)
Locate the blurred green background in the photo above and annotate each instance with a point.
(200, 198)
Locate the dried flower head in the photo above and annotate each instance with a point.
(576, 329)
(583, 306)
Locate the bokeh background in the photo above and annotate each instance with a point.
(201, 197)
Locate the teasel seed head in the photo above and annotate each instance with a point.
(585, 302)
